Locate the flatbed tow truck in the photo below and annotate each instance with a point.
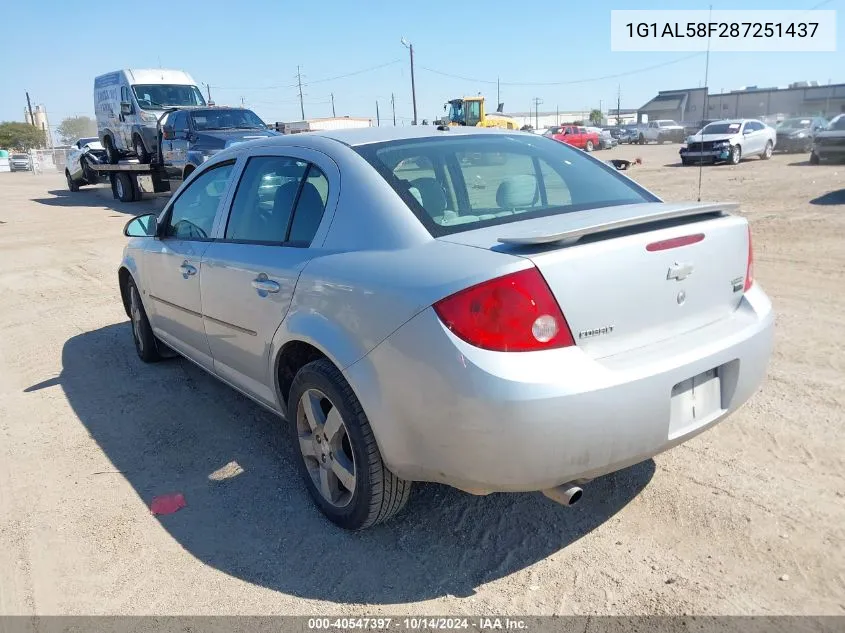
(130, 179)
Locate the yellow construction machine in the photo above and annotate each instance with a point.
(471, 111)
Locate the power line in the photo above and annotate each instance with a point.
(316, 81)
(352, 74)
(564, 83)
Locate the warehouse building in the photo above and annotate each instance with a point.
(798, 99)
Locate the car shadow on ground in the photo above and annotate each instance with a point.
(99, 197)
(830, 198)
(167, 427)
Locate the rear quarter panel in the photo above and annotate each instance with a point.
(346, 303)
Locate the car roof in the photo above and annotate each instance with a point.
(368, 135)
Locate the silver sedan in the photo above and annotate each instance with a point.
(491, 310)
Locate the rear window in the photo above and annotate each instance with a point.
(467, 182)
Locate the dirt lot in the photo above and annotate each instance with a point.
(747, 519)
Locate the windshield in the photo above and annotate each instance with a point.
(721, 128)
(467, 182)
(456, 111)
(158, 96)
(667, 124)
(837, 124)
(794, 124)
(226, 120)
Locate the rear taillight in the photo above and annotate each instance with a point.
(749, 268)
(513, 313)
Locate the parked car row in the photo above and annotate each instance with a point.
(732, 140)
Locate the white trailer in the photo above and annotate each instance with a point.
(329, 123)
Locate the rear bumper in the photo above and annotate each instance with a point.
(483, 421)
(830, 151)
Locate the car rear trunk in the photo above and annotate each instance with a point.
(629, 276)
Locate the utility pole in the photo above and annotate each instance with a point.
(557, 115)
(619, 104)
(537, 102)
(378, 118)
(333, 112)
(29, 105)
(242, 102)
(393, 104)
(410, 47)
(301, 104)
(208, 92)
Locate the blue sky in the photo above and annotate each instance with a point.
(250, 49)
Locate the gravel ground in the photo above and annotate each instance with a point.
(748, 518)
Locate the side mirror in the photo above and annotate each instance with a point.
(142, 226)
(125, 107)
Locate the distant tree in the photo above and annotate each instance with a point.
(76, 127)
(596, 116)
(21, 136)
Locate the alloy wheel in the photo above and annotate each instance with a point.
(135, 315)
(325, 446)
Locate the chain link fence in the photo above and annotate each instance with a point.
(48, 160)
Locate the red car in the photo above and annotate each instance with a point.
(575, 136)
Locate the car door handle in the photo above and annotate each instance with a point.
(187, 270)
(264, 285)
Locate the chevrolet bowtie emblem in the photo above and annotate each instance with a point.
(679, 272)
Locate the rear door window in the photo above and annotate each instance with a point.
(279, 200)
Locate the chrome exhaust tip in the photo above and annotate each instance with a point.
(566, 494)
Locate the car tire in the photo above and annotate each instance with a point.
(641, 140)
(146, 344)
(341, 466)
(124, 188)
(589, 146)
(814, 158)
(735, 155)
(112, 155)
(140, 150)
(685, 162)
(72, 185)
(91, 176)
(767, 153)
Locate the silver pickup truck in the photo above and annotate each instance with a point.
(660, 131)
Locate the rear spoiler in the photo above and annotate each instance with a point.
(659, 214)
